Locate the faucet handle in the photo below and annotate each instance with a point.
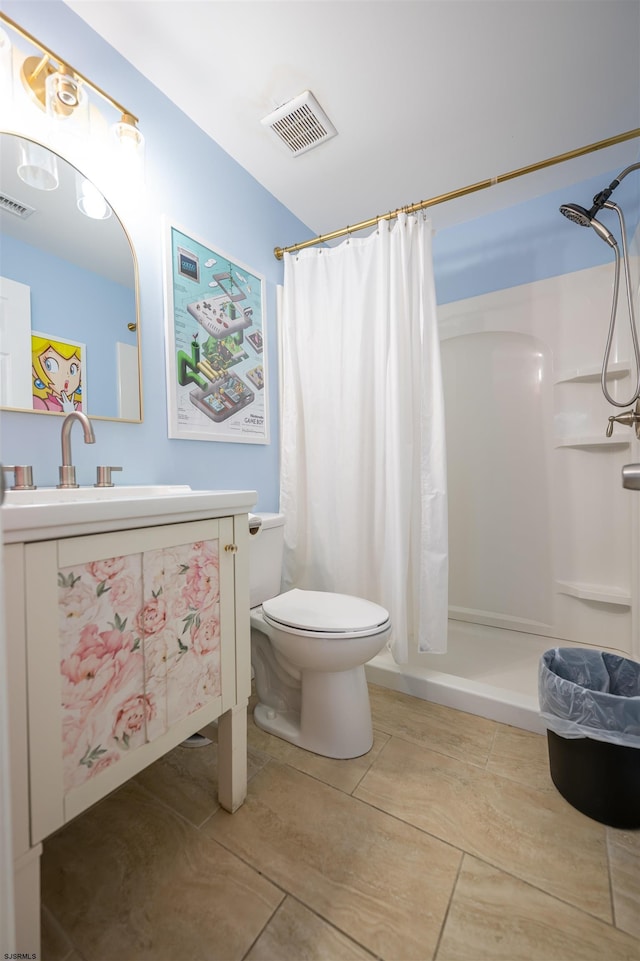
(629, 418)
(22, 477)
(103, 478)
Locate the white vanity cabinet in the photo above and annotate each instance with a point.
(123, 640)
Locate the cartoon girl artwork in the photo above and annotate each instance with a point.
(57, 374)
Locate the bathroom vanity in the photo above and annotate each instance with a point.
(127, 614)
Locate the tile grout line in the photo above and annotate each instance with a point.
(289, 894)
(364, 773)
(612, 899)
(52, 920)
(407, 739)
(264, 927)
(554, 897)
(491, 747)
(447, 912)
(335, 927)
(168, 807)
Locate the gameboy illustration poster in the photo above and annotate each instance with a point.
(216, 355)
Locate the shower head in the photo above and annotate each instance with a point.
(576, 214)
(585, 218)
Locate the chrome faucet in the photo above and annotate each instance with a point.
(67, 471)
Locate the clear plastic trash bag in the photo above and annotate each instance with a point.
(589, 693)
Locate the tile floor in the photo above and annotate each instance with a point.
(448, 841)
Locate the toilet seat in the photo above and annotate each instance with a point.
(325, 614)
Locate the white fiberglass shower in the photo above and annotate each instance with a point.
(543, 543)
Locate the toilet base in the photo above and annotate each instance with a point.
(335, 719)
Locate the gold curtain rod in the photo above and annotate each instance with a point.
(461, 192)
(61, 62)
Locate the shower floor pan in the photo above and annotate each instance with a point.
(488, 671)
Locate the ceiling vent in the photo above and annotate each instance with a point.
(15, 207)
(300, 124)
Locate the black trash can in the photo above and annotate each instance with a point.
(590, 701)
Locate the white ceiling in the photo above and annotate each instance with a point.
(427, 95)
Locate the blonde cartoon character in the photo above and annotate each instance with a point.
(57, 375)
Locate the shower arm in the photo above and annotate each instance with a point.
(600, 200)
(614, 307)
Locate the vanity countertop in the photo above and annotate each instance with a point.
(48, 513)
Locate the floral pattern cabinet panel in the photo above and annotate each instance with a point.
(180, 622)
(101, 665)
(139, 650)
(139, 628)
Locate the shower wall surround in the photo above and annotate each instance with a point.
(543, 538)
(193, 182)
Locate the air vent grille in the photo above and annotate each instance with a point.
(15, 207)
(301, 123)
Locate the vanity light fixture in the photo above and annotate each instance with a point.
(60, 90)
(129, 138)
(126, 133)
(64, 93)
(37, 165)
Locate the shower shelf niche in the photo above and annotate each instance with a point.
(595, 592)
(591, 374)
(597, 441)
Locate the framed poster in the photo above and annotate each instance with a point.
(58, 373)
(215, 339)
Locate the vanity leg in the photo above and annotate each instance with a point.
(232, 757)
(26, 882)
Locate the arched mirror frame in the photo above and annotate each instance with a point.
(136, 287)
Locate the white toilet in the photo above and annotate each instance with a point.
(308, 651)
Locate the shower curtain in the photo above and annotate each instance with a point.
(363, 472)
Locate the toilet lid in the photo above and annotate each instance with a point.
(323, 611)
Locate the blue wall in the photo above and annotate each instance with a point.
(69, 302)
(530, 241)
(192, 182)
(219, 201)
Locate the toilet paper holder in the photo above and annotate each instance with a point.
(255, 524)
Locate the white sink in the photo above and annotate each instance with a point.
(47, 512)
(74, 495)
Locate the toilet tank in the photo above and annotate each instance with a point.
(265, 558)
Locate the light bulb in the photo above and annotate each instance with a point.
(90, 201)
(63, 95)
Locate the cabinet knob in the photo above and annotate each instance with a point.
(231, 548)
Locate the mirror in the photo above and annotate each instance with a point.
(69, 318)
